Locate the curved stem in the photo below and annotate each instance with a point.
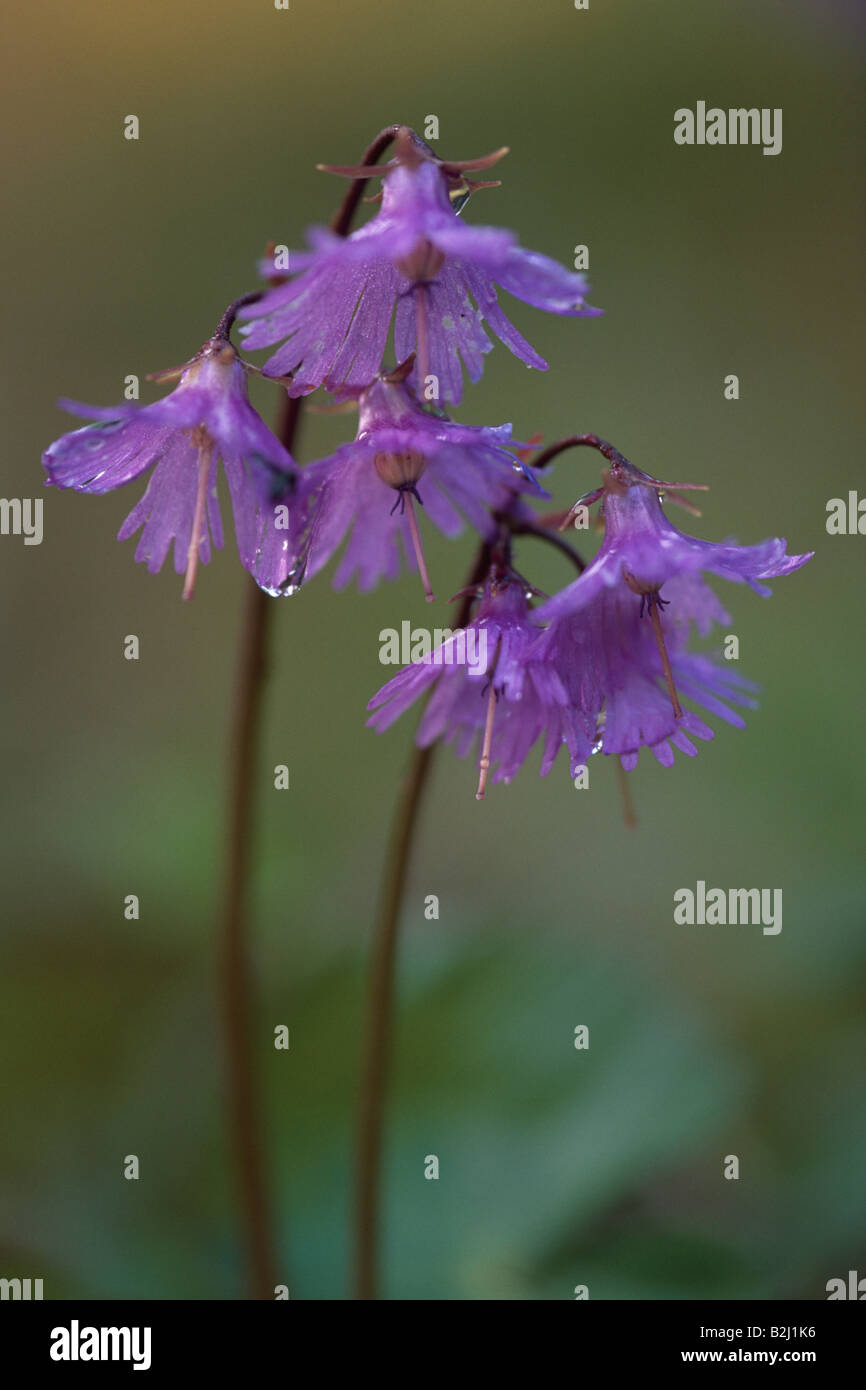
(543, 533)
(574, 441)
(342, 220)
(226, 323)
(380, 993)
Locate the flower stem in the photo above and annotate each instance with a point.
(380, 992)
(342, 221)
(235, 976)
(236, 981)
(574, 441)
(380, 1008)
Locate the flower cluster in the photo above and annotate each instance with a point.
(602, 666)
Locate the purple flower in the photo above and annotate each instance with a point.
(487, 690)
(642, 550)
(627, 674)
(417, 254)
(401, 455)
(626, 646)
(206, 418)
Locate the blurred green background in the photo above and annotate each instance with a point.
(558, 1167)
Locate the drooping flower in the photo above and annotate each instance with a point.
(489, 692)
(629, 640)
(418, 256)
(628, 675)
(207, 417)
(402, 455)
(642, 549)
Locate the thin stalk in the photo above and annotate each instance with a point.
(236, 976)
(380, 1008)
(574, 441)
(342, 222)
(236, 981)
(380, 991)
(236, 989)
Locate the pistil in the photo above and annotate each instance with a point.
(204, 459)
(487, 739)
(651, 602)
(409, 507)
(484, 763)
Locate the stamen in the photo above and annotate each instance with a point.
(409, 506)
(484, 764)
(204, 458)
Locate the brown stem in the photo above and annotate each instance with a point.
(543, 533)
(574, 441)
(380, 992)
(236, 981)
(342, 220)
(236, 975)
(374, 1077)
(226, 323)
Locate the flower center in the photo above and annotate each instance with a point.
(200, 438)
(423, 263)
(401, 468)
